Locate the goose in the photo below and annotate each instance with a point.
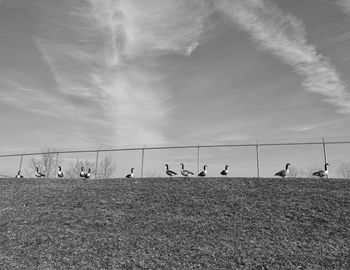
(169, 172)
(37, 173)
(60, 173)
(82, 173)
(19, 175)
(204, 172)
(131, 174)
(224, 172)
(87, 175)
(283, 173)
(184, 172)
(322, 173)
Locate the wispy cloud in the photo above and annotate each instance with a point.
(33, 100)
(300, 128)
(106, 51)
(162, 26)
(344, 4)
(284, 36)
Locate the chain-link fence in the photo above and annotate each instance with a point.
(244, 160)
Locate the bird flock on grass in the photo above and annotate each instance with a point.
(322, 173)
(84, 174)
(37, 173)
(60, 173)
(186, 173)
(19, 175)
(283, 173)
(131, 174)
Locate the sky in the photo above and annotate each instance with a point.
(89, 74)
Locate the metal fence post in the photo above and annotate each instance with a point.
(198, 159)
(324, 152)
(20, 163)
(257, 159)
(96, 165)
(56, 164)
(142, 159)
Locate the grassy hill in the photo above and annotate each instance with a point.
(214, 223)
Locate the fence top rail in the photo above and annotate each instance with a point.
(174, 147)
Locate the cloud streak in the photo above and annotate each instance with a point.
(344, 4)
(165, 26)
(284, 36)
(107, 51)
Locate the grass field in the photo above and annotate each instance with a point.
(175, 224)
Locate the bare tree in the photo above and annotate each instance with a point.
(73, 171)
(106, 168)
(343, 171)
(293, 172)
(46, 163)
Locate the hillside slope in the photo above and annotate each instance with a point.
(216, 223)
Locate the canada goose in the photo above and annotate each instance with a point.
(224, 172)
(19, 175)
(60, 173)
(204, 172)
(130, 175)
(169, 172)
(184, 172)
(322, 173)
(87, 175)
(283, 173)
(82, 173)
(37, 173)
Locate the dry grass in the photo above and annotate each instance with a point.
(175, 224)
